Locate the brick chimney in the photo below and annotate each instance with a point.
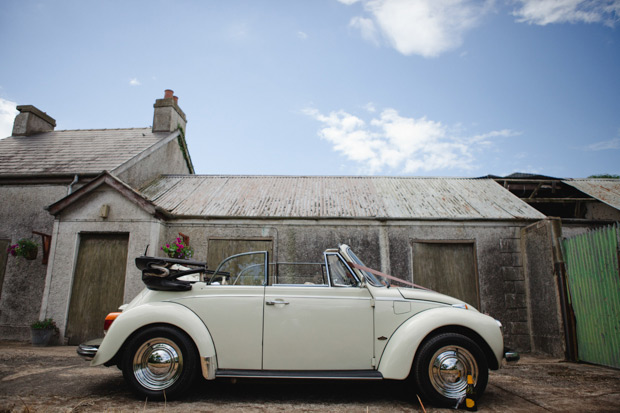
(168, 115)
(31, 120)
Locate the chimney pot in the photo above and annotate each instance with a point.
(168, 116)
(176, 99)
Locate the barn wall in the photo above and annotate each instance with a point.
(21, 212)
(387, 246)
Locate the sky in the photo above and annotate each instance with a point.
(457, 88)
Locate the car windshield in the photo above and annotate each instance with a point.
(375, 280)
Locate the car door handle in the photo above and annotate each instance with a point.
(274, 302)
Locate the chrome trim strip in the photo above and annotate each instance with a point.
(412, 300)
(317, 297)
(282, 374)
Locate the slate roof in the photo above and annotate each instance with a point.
(221, 196)
(74, 151)
(605, 190)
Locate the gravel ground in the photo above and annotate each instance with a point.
(54, 379)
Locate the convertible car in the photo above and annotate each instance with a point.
(336, 319)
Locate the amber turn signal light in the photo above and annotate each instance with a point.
(109, 319)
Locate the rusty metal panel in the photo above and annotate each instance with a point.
(594, 283)
(336, 197)
(605, 190)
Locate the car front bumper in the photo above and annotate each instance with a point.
(89, 349)
(511, 356)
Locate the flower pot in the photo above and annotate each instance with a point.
(31, 254)
(41, 337)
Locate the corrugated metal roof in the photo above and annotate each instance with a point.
(74, 151)
(605, 190)
(336, 197)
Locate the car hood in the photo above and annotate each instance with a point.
(428, 295)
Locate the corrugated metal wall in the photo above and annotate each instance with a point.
(594, 283)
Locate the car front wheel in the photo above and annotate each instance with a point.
(441, 367)
(160, 362)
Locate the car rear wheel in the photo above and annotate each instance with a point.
(442, 365)
(160, 362)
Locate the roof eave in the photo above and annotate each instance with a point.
(115, 183)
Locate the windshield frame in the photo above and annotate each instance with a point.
(374, 280)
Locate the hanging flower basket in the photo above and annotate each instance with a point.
(24, 248)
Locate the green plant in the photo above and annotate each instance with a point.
(45, 324)
(177, 249)
(24, 248)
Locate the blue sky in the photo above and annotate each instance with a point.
(333, 87)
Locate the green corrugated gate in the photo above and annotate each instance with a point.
(594, 283)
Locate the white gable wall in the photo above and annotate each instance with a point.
(84, 217)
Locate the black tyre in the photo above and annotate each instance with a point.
(441, 367)
(160, 363)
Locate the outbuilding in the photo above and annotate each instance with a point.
(458, 236)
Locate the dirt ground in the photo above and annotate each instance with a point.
(55, 379)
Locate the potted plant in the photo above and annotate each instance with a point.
(24, 248)
(42, 331)
(177, 249)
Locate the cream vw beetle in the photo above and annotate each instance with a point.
(334, 320)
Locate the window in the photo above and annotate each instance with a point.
(298, 273)
(242, 269)
(339, 273)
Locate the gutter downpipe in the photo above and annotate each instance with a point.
(70, 187)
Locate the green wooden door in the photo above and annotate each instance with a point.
(594, 282)
(98, 284)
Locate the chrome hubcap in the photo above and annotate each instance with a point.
(157, 364)
(449, 368)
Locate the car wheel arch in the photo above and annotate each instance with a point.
(397, 357)
(118, 357)
(130, 323)
(467, 332)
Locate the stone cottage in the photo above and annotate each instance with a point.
(39, 166)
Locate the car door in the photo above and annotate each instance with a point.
(319, 327)
(232, 309)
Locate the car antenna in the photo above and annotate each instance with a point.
(146, 250)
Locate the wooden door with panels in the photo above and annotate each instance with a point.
(98, 284)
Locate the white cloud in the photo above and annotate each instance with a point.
(423, 27)
(391, 142)
(543, 12)
(7, 117)
(348, 2)
(302, 35)
(370, 107)
(602, 146)
(367, 29)
(134, 82)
